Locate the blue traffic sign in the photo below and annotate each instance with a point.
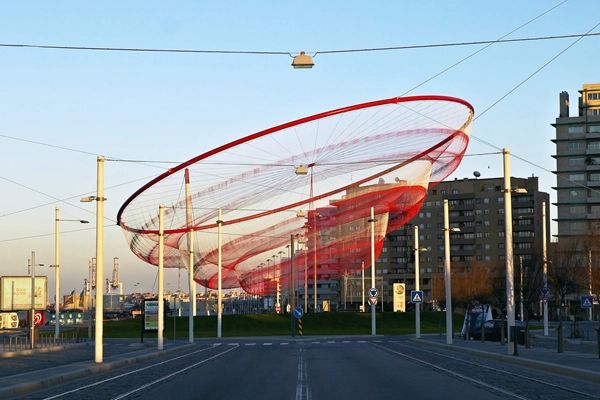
(416, 296)
(373, 292)
(545, 291)
(587, 302)
(298, 312)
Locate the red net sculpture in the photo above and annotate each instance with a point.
(314, 179)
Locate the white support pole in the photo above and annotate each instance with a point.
(161, 274)
(99, 262)
(89, 302)
(417, 285)
(56, 275)
(590, 285)
(448, 275)
(373, 283)
(508, 240)
(545, 272)
(220, 276)
(192, 296)
(362, 270)
(32, 311)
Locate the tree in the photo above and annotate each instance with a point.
(565, 276)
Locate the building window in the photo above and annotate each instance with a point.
(575, 129)
(486, 200)
(576, 161)
(577, 177)
(577, 193)
(593, 112)
(442, 192)
(577, 145)
(594, 128)
(594, 145)
(595, 176)
(593, 96)
(500, 245)
(576, 225)
(487, 246)
(455, 191)
(488, 258)
(501, 211)
(501, 234)
(577, 209)
(595, 209)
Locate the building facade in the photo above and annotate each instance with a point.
(578, 164)
(476, 207)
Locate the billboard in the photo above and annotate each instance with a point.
(399, 297)
(15, 293)
(151, 315)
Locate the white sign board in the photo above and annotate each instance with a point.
(15, 293)
(399, 297)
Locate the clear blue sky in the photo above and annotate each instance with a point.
(60, 109)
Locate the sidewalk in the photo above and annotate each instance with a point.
(579, 359)
(27, 370)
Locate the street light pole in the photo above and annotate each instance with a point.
(373, 283)
(545, 273)
(220, 276)
(417, 250)
(448, 276)
(508, 232)
(99, 198)
(56, 275)
(57, 268)
(161, 274)
(32, 312)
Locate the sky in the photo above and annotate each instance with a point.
(148, 111)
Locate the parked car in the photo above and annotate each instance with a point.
(493, 331)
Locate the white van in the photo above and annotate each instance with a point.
(474, 316)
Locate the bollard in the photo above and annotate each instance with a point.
(514, 335)
(598, 330)
(560, 339)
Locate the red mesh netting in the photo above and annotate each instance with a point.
(383, 154)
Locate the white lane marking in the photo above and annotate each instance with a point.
(283, 344)
(171, 375)
(303, 391)
(267, 344)
(129, 373)
(250, 344)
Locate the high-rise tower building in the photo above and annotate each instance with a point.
(578, 164)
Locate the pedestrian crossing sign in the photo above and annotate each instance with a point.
(416, 296)
(587, 302)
